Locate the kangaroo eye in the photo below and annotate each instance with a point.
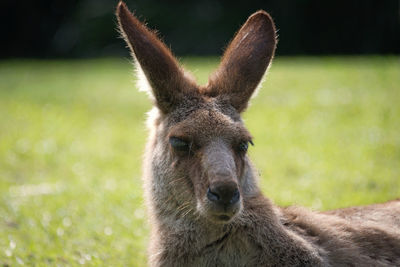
(243, 146)
(179, 144)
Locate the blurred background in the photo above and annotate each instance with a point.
(86, 28)
(326, 123)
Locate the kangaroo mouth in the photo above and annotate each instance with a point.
(222, 218)
(218, 213)
(222, 215)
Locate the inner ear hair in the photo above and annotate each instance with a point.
(245, 61)
(166, 78)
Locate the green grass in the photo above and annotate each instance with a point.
(326, 132)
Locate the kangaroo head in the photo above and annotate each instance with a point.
(197, 154)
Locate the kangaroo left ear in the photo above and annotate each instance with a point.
(167, 79)
(245, 61)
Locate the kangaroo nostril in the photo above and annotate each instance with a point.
(212, 196)
(236, 197)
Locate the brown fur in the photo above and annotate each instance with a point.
(189, 226)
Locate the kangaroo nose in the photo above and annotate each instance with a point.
(227, 193)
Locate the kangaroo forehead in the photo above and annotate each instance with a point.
(204, 108)
(210, 122)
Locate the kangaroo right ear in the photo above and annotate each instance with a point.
(166, 78)
(245, 61)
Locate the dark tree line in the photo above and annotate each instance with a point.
(87, 28)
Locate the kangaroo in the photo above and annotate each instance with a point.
(205, 206)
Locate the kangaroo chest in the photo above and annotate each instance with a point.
(227, 250)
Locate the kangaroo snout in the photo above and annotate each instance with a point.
(224, 194)
(223, 200)
(222, 197)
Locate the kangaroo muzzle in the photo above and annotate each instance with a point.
(223, 193)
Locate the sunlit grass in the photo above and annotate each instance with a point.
(326, 132)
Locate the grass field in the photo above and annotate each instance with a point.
(326, 132)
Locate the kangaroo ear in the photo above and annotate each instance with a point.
(162, 71)
(245, 61)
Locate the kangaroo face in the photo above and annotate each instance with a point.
(209, 147)
(200, 140)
